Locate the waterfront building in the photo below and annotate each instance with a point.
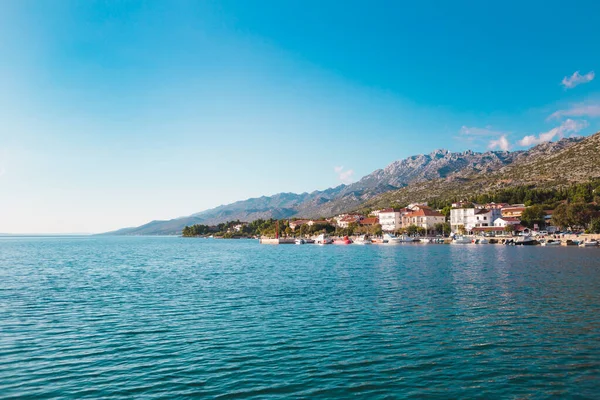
(502, 222)
(391, 218)
(424, 217)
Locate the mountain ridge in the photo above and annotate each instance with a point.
(411, 176)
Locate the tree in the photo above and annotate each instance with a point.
(377, 231)
(533, 215)
(304, 229)
(446, 211)
(560, 217)
(412, 230)
(509, 229)
(580, 214)
(595, 226)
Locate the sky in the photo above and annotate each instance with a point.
(115, 113)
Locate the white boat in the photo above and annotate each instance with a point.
(461, 240)
(299, 241)
(483, 241)
(390, 238)
(363, 240)
(589, 243)
(322, 239)
(551, 242)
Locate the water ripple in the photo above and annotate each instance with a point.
(173, 317)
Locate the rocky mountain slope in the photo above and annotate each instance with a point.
(414, 178)
(548, 165)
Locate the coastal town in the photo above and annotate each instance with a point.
(461, 223)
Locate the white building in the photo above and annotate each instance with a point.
(471, 218)
(504, 221)
(459, 217)
(390, 219)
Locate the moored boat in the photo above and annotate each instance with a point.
(551, 242)
(589, 243)
(526, 240)
(461, 240)
(322, 239)
(390, 238)
(344, 240)
(299, 241)
(363, 240)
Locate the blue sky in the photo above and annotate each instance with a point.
(117, 113)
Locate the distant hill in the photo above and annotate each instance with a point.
(440, 173)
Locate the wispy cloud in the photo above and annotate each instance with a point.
(345, 176)
(501, 143)
(569, 126)
(591, 110)
(570, 82)
(474, 131)
(479, 136)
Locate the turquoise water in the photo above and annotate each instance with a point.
(172, 317)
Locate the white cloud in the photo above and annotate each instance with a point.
(346, 176)
(591, 110)
(567, 127)
(478, 136)
(577, 79)
(501, 143)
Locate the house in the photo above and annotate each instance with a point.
(318, 222)
(417, 206)
(482, 217)
(470, 218)
(424, 217)
(239, 226)
(368, 221)
(498, 206)
(513, 211)
(391, 218)
(503, 222)
(461, 204)
(298, 223)
(348, 219)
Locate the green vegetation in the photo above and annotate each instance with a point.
(259, 227)
(532, 216)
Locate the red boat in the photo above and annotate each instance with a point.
(344, 240)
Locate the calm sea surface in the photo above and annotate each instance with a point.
(152, 317)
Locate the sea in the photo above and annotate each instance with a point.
(171, 317)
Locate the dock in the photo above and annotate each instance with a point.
(277, 241)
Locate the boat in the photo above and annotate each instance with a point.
(551, 242)
(461, 240)
(309, 241)
(344, 240)
(526, 240)
(483, 241)
(322, 239)
(589, 243)
(390, 238)
(299, 241)
(363, 240)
